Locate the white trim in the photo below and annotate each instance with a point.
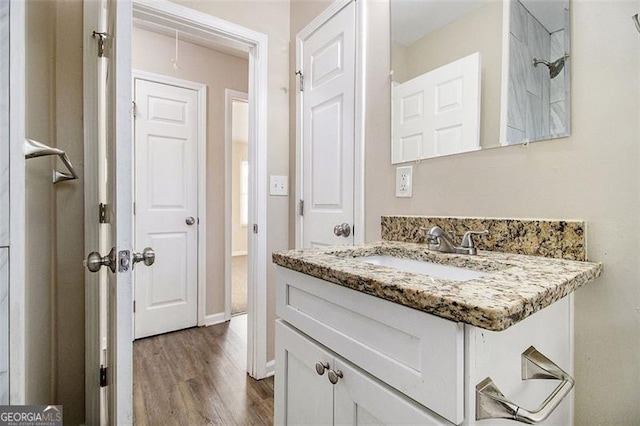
(271, 368)
(359, 114)
(360, 117)
(17, 337)
(504, 92)
(201, 89)
(214, 319)
(229, 96)
(91, 200)
(238, 253)
(179, 17)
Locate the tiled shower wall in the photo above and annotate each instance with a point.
(537, 104)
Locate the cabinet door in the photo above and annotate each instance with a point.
(302, 396)
(4, 326)
(359, 399)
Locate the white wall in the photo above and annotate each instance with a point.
(219, 71)
(592, 175)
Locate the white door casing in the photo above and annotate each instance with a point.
(167, 123)
(437, 113)
(327, 61)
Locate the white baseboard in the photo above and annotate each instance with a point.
(214, 319)
(270, 368)
(239, 253)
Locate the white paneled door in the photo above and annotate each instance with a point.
(328, 130)
(166, 193)
(438, 113)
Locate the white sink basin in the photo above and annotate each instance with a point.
(435, 270)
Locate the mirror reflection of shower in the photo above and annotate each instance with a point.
(554, 67)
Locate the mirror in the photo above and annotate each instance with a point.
(477, 74)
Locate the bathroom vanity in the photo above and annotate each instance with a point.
(363, 338)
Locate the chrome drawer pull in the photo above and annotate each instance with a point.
(492, 404)
(321, 367)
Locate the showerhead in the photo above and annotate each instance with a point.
(554, 67)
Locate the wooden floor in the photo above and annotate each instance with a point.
(198, 377)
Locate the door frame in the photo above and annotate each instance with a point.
(230, 95)
(17, 237)
(359, 113)
(180, 17)
(188, 20)
(201, 230)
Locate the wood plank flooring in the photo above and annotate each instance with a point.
(198, 377)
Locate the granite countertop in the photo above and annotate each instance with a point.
(515, 287)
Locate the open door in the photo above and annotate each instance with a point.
(109, 212)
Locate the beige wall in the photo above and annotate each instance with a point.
(40, 48)
(592, 175)
(54, 272)
(479, 31)
(219, 71)
(272, 19)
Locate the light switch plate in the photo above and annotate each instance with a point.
(404, 181)
(278, 185)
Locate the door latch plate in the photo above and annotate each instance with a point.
(124, 260)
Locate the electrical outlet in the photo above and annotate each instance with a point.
(404, 181)
(278, 185)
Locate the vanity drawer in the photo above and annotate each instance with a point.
(418, 354)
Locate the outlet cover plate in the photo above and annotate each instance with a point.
(278, 185)
(404, 181)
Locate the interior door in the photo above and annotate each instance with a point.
(438, 113)
(166, 193)
(109, 180)
(328, 131)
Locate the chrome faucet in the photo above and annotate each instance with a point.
(438, 240)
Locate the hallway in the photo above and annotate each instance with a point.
(197, 376)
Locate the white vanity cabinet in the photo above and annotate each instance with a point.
(309, 396)
(398, 364)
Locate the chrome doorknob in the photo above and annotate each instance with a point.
(148, 256)
(95, 261)
(343, 230)
(190, 220)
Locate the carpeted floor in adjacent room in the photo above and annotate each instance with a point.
(239, 284)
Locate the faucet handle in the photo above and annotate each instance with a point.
(467, 239)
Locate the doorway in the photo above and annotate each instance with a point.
(186, 21)
(237, 201)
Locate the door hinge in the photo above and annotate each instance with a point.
(133, 108)
(301, 76)
(102, 213)
(301, 209)
(103, 376)
(134, 306)
(255, 228)
(102, 38)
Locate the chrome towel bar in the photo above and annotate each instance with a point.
(492, 404)
(33, 149)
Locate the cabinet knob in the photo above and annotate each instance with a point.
(334, 376)
(321, 366)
